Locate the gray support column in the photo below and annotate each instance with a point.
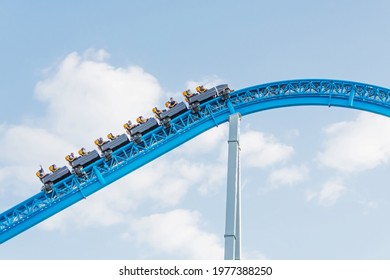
(232, 226)
(238, 212)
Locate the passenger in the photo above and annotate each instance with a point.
(157, 112)
(187, 94)
(129, 126)
(171, 103)
(40, 173)
(99, 142)
(70, 157)
(141, 120)
(83, 152)
(201, 89)
(53, 168)
(111, 137)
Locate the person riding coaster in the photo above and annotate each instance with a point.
(188, 94)
(129, 126)
(201, 89)
(111, 136)
(41, 173)
(170, 103)
(70, 157)
(157, 112)
(53, 168)
(99, 142)
(83, 152)
(141, 120)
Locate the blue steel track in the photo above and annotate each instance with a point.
(185, 127)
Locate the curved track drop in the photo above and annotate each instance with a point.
(185, 127)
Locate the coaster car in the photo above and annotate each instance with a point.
(166, 116)
(81, 162)
(50, 179)
(206, 95)
(141, 129)
(108, 147)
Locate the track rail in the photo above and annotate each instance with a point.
(185, 127)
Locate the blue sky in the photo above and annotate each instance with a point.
(314, 178)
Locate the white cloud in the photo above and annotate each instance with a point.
(330, 192)
(96, 55)
(90, 98)
(23, 149)
(179, 233)
(289, 176)
(357, 145)
(263, 150)
(24, 144)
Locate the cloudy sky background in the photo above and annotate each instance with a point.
(315, 179)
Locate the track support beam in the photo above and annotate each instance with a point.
(233, 193)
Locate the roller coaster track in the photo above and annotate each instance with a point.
(183, 128)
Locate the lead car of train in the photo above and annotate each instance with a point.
(136, 132)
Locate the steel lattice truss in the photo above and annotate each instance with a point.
(183, 128)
